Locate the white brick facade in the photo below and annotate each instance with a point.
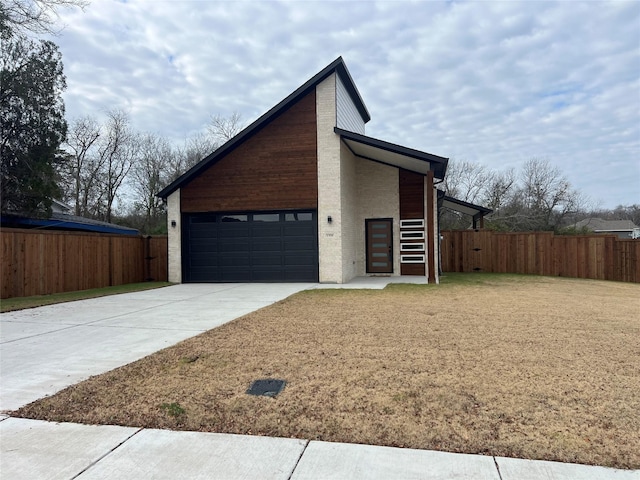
(350, 191)
(329, 184)
(378, 197)
(174, 237)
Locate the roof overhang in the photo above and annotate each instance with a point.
(391, 154)
(477, 212)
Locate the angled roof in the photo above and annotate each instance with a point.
(338, 66)
(63, 221)
(600, 225)
(461, 206)
(391, 154)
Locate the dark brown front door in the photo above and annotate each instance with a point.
(380, 245)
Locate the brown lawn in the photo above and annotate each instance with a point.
(532, 367)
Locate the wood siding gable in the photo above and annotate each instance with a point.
(274, 169)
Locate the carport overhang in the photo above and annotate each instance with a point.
(477, 212)
(391, 154)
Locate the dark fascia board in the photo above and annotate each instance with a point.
(438, 164)
(337, 66)
(481, 210)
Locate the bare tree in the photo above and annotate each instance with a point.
(81, 173)
(34, 16)
(117, 150)
(222, 129)
(148, 177)
(546, 195)
(469, 182)
(499, 189)
(466, 180)
(195, 148)
(539, 198)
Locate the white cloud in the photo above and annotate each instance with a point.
(493, 82)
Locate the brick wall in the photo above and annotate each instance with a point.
(329, 182)
(174, 237)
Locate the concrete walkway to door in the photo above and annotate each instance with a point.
(45, 349)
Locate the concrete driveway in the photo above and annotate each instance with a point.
(46, 349)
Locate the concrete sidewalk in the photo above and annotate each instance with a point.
(32, 449)
(45, 349)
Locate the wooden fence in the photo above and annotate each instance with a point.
(603, 257)
(44, 262)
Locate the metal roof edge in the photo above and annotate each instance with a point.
(410, 152)
(45, 223)
(462, 203)
(337, 65)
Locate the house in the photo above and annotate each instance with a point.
(621, 228)
(302, 194)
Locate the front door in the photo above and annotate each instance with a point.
(379, 245)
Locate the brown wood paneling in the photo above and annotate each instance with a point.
(274, 169)
(412, 269)
(411, 190)
(602, 257)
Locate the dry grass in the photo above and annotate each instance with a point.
(531, 367)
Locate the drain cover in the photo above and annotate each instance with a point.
(267, 387)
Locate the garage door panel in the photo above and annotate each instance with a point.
(267, 245)
(296, 274)
(234, 260)
(198, 231)
(231, 245)
(272, 259)
(299, 228)
(266, 230)
(267, 275)
(297, 244)
(235, 274)
(200, 260)
(205, 244)
(202, 275)
(251, 247)
(230, 230)
(299, 260)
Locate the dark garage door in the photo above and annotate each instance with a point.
(250, 247)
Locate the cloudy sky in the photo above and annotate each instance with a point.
(496, 83)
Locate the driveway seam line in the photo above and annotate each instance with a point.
(495, 461)
(85, 324)
(299, 458)
(106, 454)
(39, 334)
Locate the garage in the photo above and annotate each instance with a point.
(250, 247)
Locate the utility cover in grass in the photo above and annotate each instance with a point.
(267, 387)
